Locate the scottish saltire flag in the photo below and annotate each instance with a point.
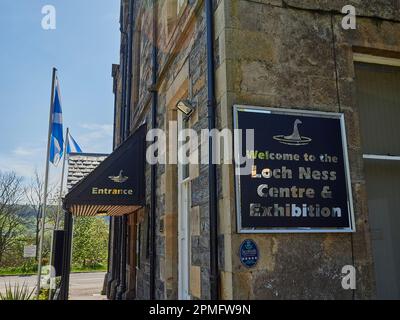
(72, 146)
(56, 139)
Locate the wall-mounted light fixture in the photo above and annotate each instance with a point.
(186, 107)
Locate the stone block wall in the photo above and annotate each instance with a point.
(181, 75)
(274, 53)
(295, 54)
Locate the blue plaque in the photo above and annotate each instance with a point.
(248, 253)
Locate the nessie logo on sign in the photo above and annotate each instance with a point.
(295, 139)
(120, 178)
(299, 180)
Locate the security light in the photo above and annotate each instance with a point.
(186, 107)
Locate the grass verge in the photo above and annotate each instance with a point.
(4, 272)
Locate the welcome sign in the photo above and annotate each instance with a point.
(299, 179)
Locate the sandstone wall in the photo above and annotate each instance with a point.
(295, 54)
(291, 54)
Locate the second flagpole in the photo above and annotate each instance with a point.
(62, 179)
(58, 214)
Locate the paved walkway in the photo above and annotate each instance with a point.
(83, 286)
(30, 281)
(86, 286)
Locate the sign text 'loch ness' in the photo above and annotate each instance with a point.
(299, 180)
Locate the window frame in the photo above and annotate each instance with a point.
(386, 61)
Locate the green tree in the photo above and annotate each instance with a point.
(90, 242)
(11, 224)
(34, 192)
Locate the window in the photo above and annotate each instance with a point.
(173, 9)
(378, 99)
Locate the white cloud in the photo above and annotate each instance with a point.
(25, 167)
(96, 138)
(26, 151)
(22, 167)
(25, 159)
(105, 128)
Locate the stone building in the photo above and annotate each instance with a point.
(287, 54)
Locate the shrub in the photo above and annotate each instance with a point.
(18, 292)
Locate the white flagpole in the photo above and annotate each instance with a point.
(46, 180)
(62, 180)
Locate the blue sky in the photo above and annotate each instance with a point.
(83, 47)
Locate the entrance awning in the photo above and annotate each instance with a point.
(117, 186)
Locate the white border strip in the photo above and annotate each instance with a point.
(369, 58)
(380, 157)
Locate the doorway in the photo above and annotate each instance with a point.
(90, 237)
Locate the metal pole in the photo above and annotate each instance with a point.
(46, 180)
(153, 197)
(70, 238)
(66, 269)
(62, 180)
(57, 224)
(122, 282)
(212, 169)
(52, 271)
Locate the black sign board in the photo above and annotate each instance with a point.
(299, 177)
(58, 251)
(118, 180)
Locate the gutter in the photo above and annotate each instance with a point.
(115, 255)
(130, 75)
(127, 86)
(118, 231)
(153, 200)
(109, 275)
(212, 169)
